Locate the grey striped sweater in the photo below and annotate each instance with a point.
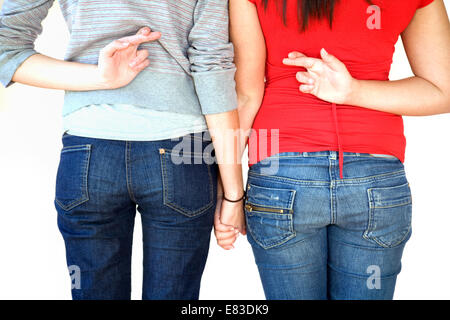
(191, 69)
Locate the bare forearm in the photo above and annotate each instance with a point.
(224, 129)
(408, 97)
(45, 72)
(248, 109)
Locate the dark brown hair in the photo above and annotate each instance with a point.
(308, 10)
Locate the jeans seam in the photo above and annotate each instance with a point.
(175, 207)
(379, 177)
(352, 154)
(354, 275)
(74, 148)
(359, 246)
(85, 196)
(385, 245)
(290, 201)
(283, 179)
(279, 243)
(128, 171)
(332, 192)
(371, 226)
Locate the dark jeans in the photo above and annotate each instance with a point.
(100, 185)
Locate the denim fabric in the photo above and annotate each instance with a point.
(101, 183)
(315, 236)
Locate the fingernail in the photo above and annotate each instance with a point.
(291, 55)
(285, 60)
(324, 51)
(311, 81)
(125, 44)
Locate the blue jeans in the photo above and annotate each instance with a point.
(101, 183)
(315, 236)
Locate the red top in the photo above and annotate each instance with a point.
(361, 39)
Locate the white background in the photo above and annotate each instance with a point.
(32, 255)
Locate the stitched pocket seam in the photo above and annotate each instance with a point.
(286, 235)
(179, 209)
(279, 243)
(371, 224)
(85, 192)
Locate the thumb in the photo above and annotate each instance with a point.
(330, 60)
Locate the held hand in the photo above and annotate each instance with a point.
(229, 219)
(326, 78)
(232, 214)
(121, 61)
(226, 235)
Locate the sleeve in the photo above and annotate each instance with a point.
(20, 25)
(211, 56)
(424, 3)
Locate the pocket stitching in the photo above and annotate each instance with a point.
(288, 235)
(76, 148)
(85, 194)
(175, 207)
(371, 225)
(279, 243)
(290, 201)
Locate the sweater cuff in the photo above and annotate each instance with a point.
(216, 91)
(8, 69)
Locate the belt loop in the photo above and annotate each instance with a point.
(341, 151)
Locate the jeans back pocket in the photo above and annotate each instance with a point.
(390, 214)
(187, 182)
(269, 214)
(72, 177)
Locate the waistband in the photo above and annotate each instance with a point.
(330, 154)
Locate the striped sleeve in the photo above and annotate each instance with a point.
(211, 56)
(20, 25)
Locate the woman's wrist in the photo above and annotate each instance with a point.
(103, 83)
(235, 199)
(234, 195)
(89, 77)
(353, 94)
